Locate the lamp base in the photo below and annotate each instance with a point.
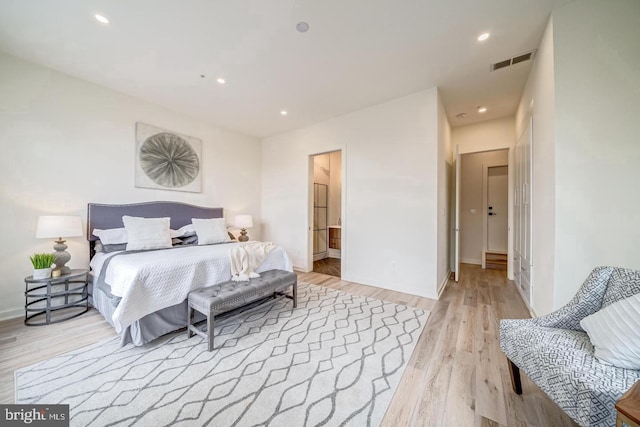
(62, 257)
(243, 235)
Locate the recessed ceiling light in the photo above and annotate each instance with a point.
(221, 80)
(101, 19)
(461, 115)
(283, 112)
(482, 110)
(302, 27)
(482, 37)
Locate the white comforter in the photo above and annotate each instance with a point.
(150, 281)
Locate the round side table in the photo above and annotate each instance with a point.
(66, 293)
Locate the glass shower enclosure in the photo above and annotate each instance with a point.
(320, 218)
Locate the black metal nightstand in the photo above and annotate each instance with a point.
(68, 292)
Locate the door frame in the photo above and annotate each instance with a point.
(485, 207)
(457, 231)
(343, 213)
(457, 170)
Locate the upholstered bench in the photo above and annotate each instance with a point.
(214, 300)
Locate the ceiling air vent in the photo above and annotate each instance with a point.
(512, 61)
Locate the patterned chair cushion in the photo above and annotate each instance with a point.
(562, 364)
(622, 284)
(555, 352)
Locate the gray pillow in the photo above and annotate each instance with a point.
(189, 240)
(114, 247)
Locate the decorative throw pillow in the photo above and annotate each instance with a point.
(614, 332)
(210, 231)
(147, 233)
(622, 284)
(111, 236)
(184, 231)
(114, 248)
(189, 240)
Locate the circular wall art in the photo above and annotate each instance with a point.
(166, 160)
(169, 160)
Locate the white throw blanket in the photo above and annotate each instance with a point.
(246, 258)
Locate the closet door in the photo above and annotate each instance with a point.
(517, 217)
(523, 264)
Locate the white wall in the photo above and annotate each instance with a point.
(471, 224)
(67, 142)
(597, 64)
(538, 102)
(390, 154)
(484, 136)
(445, 164)
(583, 96)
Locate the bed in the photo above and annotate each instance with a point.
(142, 294)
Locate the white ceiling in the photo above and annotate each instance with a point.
(357, 53)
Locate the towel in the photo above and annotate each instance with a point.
(246, 258)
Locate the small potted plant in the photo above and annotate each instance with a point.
(42, 265)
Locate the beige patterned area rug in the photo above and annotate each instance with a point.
(335, 360)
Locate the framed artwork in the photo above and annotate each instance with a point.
(167, 160)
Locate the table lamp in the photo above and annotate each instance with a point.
(243, 222)
(51, 226)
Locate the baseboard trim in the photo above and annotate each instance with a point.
(471, 261)
(524, 300)
(373, 283)
(12, 313)
(318, 257)
(302, 269)
(444, 283)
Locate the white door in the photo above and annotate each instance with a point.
(457, 168)
(497, 209)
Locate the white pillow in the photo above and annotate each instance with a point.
(147, 233)
(614, 332)
(111, 236)
(211, 231)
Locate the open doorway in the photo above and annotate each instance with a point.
(326, 225)
(484, 208)
(496, 225)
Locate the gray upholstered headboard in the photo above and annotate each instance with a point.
(104, 216)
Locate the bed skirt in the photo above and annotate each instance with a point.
(148, 328)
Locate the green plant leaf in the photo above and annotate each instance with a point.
(42, 260)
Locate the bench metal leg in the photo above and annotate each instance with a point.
(516, 383)
(295, 295)
(190, 322)
(210, 331)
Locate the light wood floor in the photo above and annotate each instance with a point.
(457, 375)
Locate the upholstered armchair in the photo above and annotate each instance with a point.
(557, 355)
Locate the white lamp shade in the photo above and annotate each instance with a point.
(58, 226)
(244, 221)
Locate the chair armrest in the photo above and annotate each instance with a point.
(587, 301)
